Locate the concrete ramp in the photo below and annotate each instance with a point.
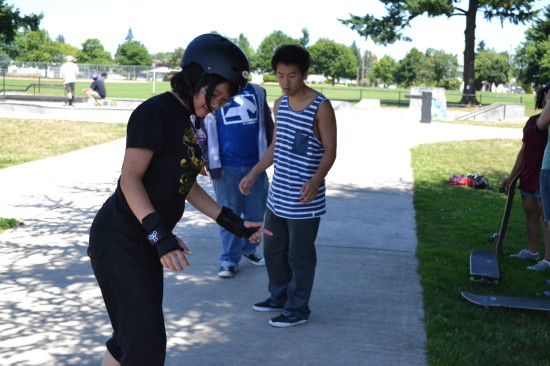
(512, 112)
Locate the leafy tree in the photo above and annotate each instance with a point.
(268, 47)
(93, 52)
(175, 57)
(133, 53)
(384, 69)
(366, 66)
(491, 67)
(129, 36)
(438, 66)
(407, 71)
(532, 58)
(332, 59)
(33, 46)
(11, 21)
(304, 40)
(400, 13)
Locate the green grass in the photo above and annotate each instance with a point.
(451, 222)
(8, 223)
(24, 140)
(388, 97)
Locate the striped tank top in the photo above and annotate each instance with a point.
(297, 156)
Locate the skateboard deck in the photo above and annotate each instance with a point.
(483, 266)
(499, 237)
(507, 302)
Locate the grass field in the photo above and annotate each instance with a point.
(451, 222)
(388, 97)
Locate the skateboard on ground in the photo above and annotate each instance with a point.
(499, 237)
(483, 266)
(507, 302)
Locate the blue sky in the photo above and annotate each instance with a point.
(169, 24)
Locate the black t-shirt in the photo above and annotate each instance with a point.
(163, 125)
(99, 87)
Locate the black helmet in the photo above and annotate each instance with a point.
(218, 55)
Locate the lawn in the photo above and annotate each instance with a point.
(451, 222)
(144, 90)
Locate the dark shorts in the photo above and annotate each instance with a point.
(69, 87)
(130, 276)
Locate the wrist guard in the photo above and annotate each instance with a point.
(159, 235)
(234, 224)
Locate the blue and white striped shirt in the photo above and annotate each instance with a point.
(297, 156)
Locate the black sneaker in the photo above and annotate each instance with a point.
(227, 272)
(267, 306)
(286, 319)
(255, 259)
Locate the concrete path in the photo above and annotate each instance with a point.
(367, 305)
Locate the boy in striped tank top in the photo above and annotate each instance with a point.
(302, 151)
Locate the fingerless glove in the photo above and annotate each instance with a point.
(234, 224)
(159, 235)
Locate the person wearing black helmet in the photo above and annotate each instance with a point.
(131, 237)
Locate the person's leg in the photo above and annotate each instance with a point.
(109, 360)
(544, 264)
(533, 217)
(276, 257)
(254, 206)
(303, 260)
(129, 273)
(545, 231)
(227, 193)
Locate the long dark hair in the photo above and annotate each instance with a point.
(189, 81)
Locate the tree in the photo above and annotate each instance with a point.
(93, 52)
(129, 36)
(175, 58)
(532, 58)
(34, 46)
(11, 21)
(268, 47)
(384, 69)
(438, 66)
(332, 60)
(400, 13)
(492, 68)
(407, 71)
(133, 53)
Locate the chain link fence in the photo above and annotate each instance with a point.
(52, 70)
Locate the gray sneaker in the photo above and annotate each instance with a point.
(540, 266)
(525, 254)
(227, 272)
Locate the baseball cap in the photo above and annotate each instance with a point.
(70, 59)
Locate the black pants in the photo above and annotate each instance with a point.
(290, 258)
(130, 276)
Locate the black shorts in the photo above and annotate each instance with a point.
(69, 87)
(130, 276)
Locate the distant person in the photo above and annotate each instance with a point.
(303, 151)
(237, 137)
(69, 74)
(528, 164)
(96, 91)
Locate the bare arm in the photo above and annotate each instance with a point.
(325, 130)
(544, 119)
(134, 167)
(265, 162)
(205, 204)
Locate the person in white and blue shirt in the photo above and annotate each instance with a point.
(237, 136)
